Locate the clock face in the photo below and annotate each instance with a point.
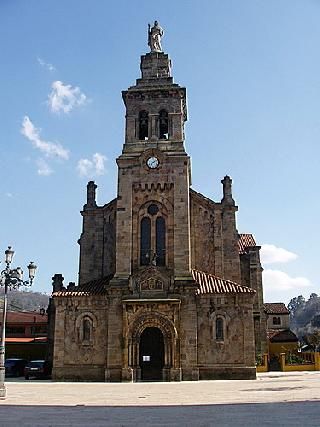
(152, 162)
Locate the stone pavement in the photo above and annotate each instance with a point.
(277, 399)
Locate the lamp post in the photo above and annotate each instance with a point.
(10, 279)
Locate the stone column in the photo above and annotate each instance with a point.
(231, 260)
(115, 338)
(124, 222)
(91, 195)
(182, 261)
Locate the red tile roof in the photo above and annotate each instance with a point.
(210, 284)
(206, 284)
(282, 335)
(275, 308)
(245, 241)
(25, 317)
(25, 340)
(95, 287)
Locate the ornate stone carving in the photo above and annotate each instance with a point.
(153, 320)
(149, 280)
(151, 284)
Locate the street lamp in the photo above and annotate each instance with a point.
(10, 279)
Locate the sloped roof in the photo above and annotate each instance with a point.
(245, 241)
(26, 340)
(95, 287)
(210, 284)
(25, 317)
(275, 308)
(281, 335)
(206, 284)
(202, 197)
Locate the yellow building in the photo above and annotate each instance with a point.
(279, 335)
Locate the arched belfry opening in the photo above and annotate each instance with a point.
(151, 354)
(163, 124)
(143, 125)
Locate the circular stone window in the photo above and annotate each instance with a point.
(153, 209)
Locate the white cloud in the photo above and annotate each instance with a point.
(64, 98)
(49, 149)
(10, 195)
(93, 167)
(46, 65)
(43, 168)
(276, 280)
(271, 254)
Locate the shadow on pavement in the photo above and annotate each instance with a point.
(291, 414)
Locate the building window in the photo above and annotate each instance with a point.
(161, 241)
(163, 125)
(39, 330)
(15, 330)
(143, 125)
(276, 320)
(153, 238)
(145, 241)
(219, 329)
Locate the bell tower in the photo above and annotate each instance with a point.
(155, 107)
(153, 219)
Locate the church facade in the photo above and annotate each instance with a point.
(168, 289)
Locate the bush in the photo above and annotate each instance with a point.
(259, 359)
(295, 359)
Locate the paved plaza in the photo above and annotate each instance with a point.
(274, 399)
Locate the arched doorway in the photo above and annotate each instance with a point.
(151, 354)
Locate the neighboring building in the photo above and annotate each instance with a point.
(168, 289)
(26, 334)
(280, 337)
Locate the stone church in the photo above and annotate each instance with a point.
(168, 289)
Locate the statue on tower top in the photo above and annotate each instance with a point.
(154, 37)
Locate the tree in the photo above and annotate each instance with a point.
(313, 340)
(295, 304)
(25, 301)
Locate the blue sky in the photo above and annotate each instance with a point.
(251, 69)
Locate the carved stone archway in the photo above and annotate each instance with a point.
(171, 369)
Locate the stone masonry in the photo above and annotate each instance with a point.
(168, 289)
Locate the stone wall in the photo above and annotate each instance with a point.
(214, 238)
(236, 349)
(251, 276)
(76, 356)
(97, 242)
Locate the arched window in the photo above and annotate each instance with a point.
(163, 125)
(219, 329)
(160, 240)
(86, 329)
(143, 125)
(145, 241)
(153, 237)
